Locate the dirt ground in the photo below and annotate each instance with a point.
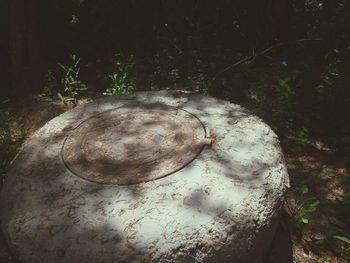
(310, 163)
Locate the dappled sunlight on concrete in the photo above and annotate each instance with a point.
(219, 207)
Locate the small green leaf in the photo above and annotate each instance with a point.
(319, 237)
(59, 95)
(307, 238)
(319, 240)
(312, 207)
(83, 87)
(344, 239)
(304, 189)
(304, 220)
(61, 66)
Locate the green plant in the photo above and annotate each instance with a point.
(51, 87)
(70, 82)
(342, 238)
(335, 242)
(199, 81)
(174, 75)
(303, 134)
(120, 85)
(124, 78)
(303, 206)
(274, 100)
(168, 67)
(282, 106)
(325, 239)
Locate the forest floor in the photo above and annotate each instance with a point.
(309, 232)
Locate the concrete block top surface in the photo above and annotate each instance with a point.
(163, 176)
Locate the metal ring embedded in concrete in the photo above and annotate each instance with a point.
(133, 144)
(163, 197)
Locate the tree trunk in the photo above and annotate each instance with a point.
(27, 52)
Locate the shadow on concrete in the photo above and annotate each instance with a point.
(281, 249)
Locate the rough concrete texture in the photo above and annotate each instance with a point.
(222, 207)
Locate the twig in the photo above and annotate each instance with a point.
(252, 57)
(308, 39)
(263, 52)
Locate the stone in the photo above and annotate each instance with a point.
(163, 176)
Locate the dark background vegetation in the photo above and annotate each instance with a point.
(286, 60)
